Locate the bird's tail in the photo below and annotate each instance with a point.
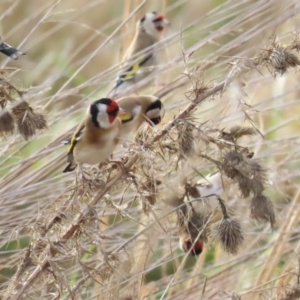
(10, 51)
(70, 167)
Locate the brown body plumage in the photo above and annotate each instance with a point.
(141, 57)
(97, 136)
(140, 109)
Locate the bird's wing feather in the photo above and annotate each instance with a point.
(130, 72)
(75, 138)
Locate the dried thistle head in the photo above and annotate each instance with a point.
(280, 58)
(262, 209)
(27, 120)
(230, 160)
(185, 138)
(249, 174)
(230, 235)
(236, 132)
(40, 121)
(7, 125)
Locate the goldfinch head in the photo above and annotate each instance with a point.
(103, 112)
(155, 112)
(195, 248)
(153, 23)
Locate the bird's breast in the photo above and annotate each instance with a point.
(97, 151)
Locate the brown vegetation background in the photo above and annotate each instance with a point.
(112, 240)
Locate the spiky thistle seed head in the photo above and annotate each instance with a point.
(40, 121)
(7, 125)
(280, 58)
(239, 131)
(236, 132)
(230, 160)
(249, 174)
(230, 235)
(262, 209)
(27, 120)
(186, 138)
(26, 128)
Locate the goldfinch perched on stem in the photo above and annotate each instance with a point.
(9, 50)
(97, 136)
(192, 231)
(140, 109)
(140, 56)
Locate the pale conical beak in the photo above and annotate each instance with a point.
(166, 22)
(124, 116)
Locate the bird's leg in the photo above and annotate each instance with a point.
(83, 178)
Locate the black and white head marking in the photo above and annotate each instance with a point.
(155, 112)
(103, 112)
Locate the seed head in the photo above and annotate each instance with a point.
(230, 234)
(262, 209)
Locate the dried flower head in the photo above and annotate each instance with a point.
(185, 138)
(280, 58)
(262, 209)
(7, 125)
(27, 120)
(249, 174)
(40, 121)
(26, 128)
(237, 132)
(230, 161)
(230, 234)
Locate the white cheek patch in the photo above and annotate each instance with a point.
(102, 107)
(153, 113)
(136, 111)
(103, 119)
(150, 28)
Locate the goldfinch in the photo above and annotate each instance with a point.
(192, 231)
(139, 58)
(139, 109)
(9, 50)
(97, 136)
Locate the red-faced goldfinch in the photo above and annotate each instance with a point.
(9, 50)
(194, 225)
(192, 230)
(97, 136)
(140, 109)
(139, 59)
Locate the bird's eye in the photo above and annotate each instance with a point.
(143, 19)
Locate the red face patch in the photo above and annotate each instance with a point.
(113, 106)
(197, 246)
(159, 18)
(111, 118)
(159, 28)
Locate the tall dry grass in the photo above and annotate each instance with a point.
(223, 64)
